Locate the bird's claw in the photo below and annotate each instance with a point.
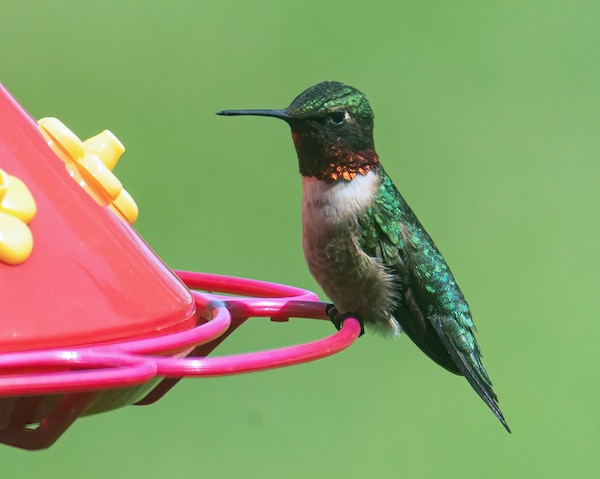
(332, 312)
(338, 319)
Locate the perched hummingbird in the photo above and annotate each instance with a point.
(362, 242)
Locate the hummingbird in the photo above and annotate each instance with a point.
(362, 242)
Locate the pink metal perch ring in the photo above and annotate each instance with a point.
(127, 363)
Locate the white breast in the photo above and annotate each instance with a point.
(352, 280)
(327, 205)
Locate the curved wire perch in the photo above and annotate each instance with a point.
(218, 322)
(133, 362)
(88, 370)
(283, 302)
(243, 286)
(270, 359)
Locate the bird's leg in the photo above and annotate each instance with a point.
(337, 319)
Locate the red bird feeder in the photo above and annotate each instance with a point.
(92, 319)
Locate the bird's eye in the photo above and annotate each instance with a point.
(338, 117)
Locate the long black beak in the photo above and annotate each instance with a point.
(274, 113)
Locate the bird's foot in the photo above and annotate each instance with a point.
(332, 312)
(338, 319)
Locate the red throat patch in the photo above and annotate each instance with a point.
(330, 163)
(347, 164)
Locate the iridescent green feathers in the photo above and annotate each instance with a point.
(330, 96)
(431, 308)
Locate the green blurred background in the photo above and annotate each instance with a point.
(487, 117)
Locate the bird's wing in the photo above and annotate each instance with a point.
(386, 233)
(431, 308)
(470, 366)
